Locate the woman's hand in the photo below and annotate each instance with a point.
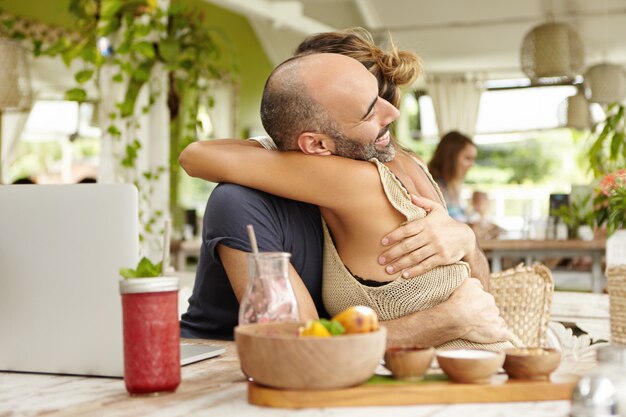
(423, 244)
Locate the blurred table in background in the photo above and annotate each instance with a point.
(536, 250)
(183, 249)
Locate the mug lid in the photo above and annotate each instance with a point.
(153, 284)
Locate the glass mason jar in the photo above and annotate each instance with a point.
(151, 334)
(269, 296)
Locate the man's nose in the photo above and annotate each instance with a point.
(388, 111)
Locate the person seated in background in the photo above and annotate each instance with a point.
(453, 157)
(478, 218)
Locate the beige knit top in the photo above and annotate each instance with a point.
(399, 297)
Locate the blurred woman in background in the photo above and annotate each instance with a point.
(454, 156)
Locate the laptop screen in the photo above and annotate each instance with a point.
(61, 247)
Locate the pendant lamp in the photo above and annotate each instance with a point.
(552, 50)
(575, 113)
(605, 83)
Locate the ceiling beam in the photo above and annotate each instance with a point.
(286, 14)
(462, 24)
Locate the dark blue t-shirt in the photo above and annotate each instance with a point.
(280, 225)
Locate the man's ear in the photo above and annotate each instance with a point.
(315, 144)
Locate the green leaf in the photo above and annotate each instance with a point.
(37, 47)
(108, 8)
(616, 143)
(8, 23)
(169, 49)
(145, 269)
(145, 48)
(127, 273)
(74, 50)
(333, 326)
(142, 30)
(82, 77)
(76, 94)
(114, 131)
(117, 78)
(56, 48)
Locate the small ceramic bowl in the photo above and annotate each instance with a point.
(409, 364)
(531, 363)
(470, 366)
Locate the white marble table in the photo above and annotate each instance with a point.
(214, 387)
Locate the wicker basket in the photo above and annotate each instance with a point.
(524, 297)
(617, 299)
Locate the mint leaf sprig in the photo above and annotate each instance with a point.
(145, 269)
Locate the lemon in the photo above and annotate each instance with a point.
(314, 328)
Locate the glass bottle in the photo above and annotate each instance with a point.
(151, 335)
(269, 296)
(600, 391)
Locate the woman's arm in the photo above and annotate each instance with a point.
(313, 179)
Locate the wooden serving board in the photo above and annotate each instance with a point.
(382, 390)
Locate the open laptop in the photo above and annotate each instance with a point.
(61, 247)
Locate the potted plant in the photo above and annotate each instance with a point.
(578, 216)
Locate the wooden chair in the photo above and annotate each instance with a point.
(524, 296)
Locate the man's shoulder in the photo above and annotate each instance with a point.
(227, 195)
(226, 191)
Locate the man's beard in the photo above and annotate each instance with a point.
(354, 149)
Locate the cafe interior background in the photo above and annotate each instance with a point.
(531, 81)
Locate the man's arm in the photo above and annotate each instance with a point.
(432, 241)
(470, 313)
(235, 264)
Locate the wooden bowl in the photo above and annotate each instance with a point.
(470, 366)
(531, 363)
(274, 355)
(408, 364)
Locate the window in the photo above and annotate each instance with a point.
(524, 153)
(506, 106)
(58, 143)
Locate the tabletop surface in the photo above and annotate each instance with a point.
(214, 387)
(528, 244)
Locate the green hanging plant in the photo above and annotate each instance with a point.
(607, 152)
(607, 159)
(134, 36)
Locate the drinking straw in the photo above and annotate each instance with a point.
(255, 248)
(166, 246)
(252, 236)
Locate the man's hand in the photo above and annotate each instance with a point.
(477, 314)
(470, 313)
(426, 243)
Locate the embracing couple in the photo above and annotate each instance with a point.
(383, 239)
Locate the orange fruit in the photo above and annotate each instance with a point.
(358, 319)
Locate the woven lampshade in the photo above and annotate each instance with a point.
(575, 113)
(15, 89)
(605, 83)
(552, 50)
